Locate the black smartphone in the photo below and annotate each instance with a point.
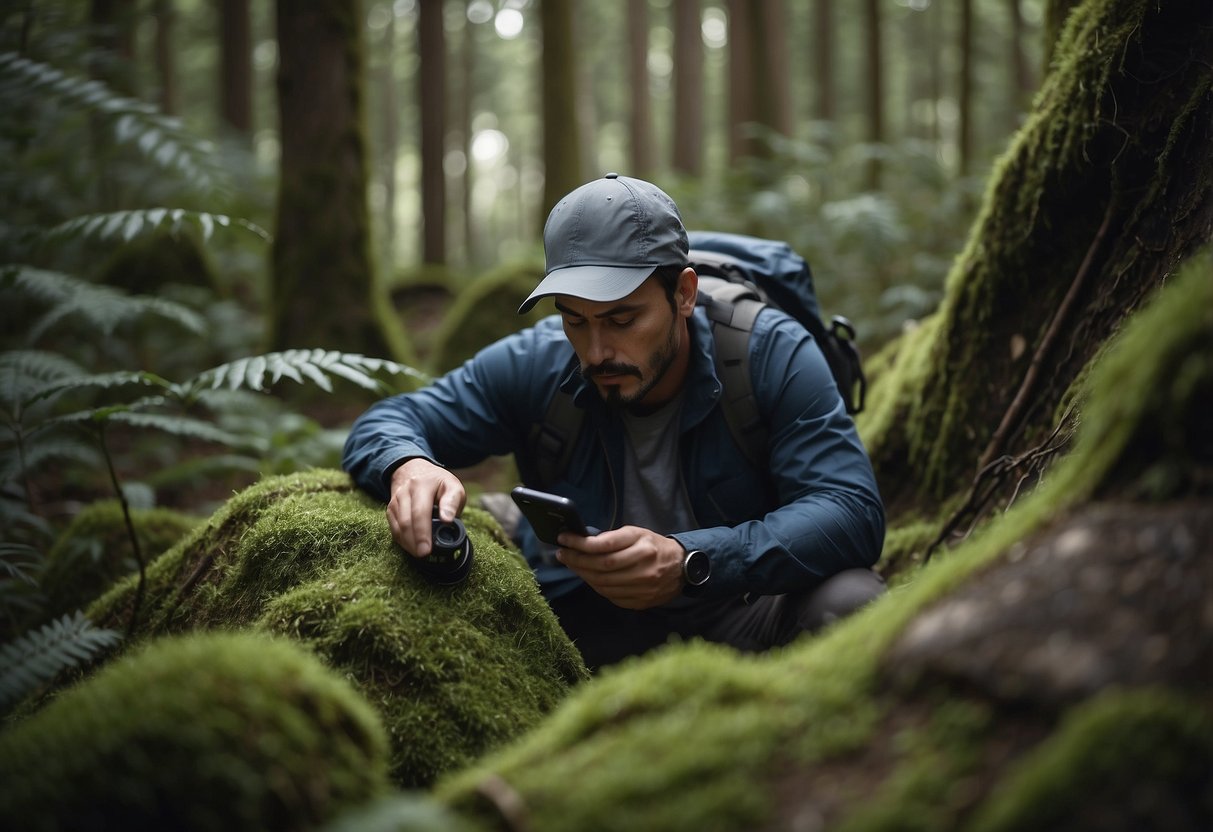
(550, 514)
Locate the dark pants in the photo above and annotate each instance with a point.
(605, 633)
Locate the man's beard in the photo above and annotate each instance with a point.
(659, 364)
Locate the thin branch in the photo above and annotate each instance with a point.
(1011, 419)
(130, 530)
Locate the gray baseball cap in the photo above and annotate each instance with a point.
(606, 237)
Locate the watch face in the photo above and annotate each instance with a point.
(697, 567)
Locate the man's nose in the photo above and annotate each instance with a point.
(598, 347)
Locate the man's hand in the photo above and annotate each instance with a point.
(417, 486)
(631, 567)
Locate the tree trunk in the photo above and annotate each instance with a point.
(1107, 186)
(741, 81)
(466, 110)
(166, 68)
(323, 280)
(113, 35)
(823, 59)
(1021, 75)
(1056, 12)
(964, 140)
(389, 136)
(640, 130)
(561, 134)
(236, 67)
(771, 94)
(687, 133)
(874, 88)
(431, 80)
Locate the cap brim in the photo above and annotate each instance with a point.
(596, 283)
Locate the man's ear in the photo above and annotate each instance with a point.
(688, 291)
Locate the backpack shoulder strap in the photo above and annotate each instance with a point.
(550, 443)
(733, 308)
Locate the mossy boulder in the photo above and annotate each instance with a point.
(216, 731)
(94, 550)
(1051, 672)
(486, 311)
(453, 671)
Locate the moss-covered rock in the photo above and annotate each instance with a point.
(95, 550)
(207, 732)
(453, 671)
(485, 312)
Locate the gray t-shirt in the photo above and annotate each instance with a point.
(653, 494)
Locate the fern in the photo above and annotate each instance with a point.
(261, 371)
(161, 139)
(124, 226)
(102, 308)
(36, 657)
(19, 561)
(23, 373)
(181, 426)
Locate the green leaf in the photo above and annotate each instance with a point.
(36, 657)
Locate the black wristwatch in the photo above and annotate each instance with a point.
(696, 568)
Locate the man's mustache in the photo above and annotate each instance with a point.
(611, 369)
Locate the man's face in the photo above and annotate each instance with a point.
(634, 350)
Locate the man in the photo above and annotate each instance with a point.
(698, 542)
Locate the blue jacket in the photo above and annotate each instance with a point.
(814, 512)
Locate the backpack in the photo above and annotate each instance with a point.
(738, 277)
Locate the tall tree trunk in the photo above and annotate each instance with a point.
(561, 133)
(389, 135)
(236, 67)
(431, 80)
(874, 87)
(741, 80)
(166, 67)
(1107, 186)
(771, 93)
(964, 139)
(112, 25)
(323, 287)
(823, 59)
(640, 129)
(687, 132)
(466, 109)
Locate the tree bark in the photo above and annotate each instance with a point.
(323, 280)
(687, 144)
(640, 130)
(964, 139)
(771, 94)
(389, 135)
(741, 81)
(874, 87)
(236, 67)
(166, 67)
(561, 133)
(823, 59)
(431, 81)
(1106, 187)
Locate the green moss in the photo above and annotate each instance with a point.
(485, 312)
(1125, 760)
(223, 732)
(696, 736)
(95, 550)
(453, 671)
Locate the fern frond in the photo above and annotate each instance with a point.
(182, 426)
(24, 372)
(100, 381)
(43, 449)
(316, 365)
(20, 561)
(36, 657)
(101, 307)
(124, 226)
(163, 140)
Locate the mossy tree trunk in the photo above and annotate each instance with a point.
(323, 280)
(1107, 186)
